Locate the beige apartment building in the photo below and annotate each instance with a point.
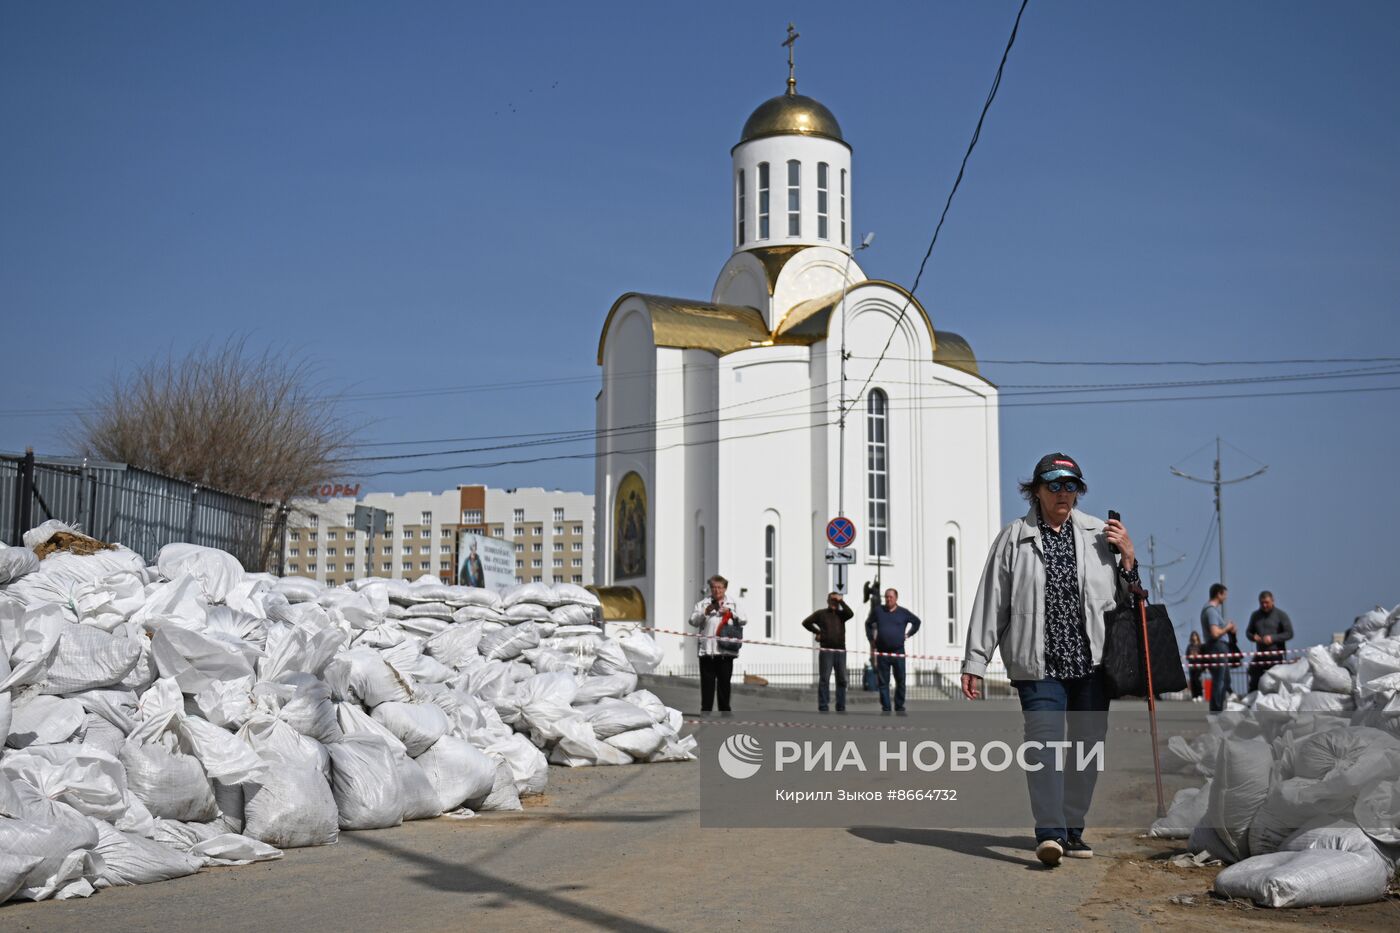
(551, 532)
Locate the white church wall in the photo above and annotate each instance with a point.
(813, 273)
(765, 476)
(629, 349)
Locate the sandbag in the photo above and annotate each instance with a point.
(527, 763)
(88, 658)
(310, 709)
(59, 836)
(1311, 878)
(1297, 672)
(223, 755)
(129, 859)
(1238, 790)
(610, 717)
(217, 572)
(14, 869)
(611, 685)
(416, 725)
(567, 614)
(420, 798)
(609, 658)
(170, 783)
(272, 738)
(641, 744)
(195, 660)
(361, 675)
(16, 562)
(355, 721)
(365, 783)
(44, 720)
(541, 594)
(1188, 808)
(649, 702)
(1377, 811)
(456, 645)
(503, 794)
(643, 651)
(234, 849)
(1328, 675)
(509, 642)
(458, 771)
(90, 781)
(291, 806)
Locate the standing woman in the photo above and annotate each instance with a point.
(1194, 652)
(1048, 581)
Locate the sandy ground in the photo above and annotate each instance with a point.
(622, 849)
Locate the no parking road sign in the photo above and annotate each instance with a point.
(840, 531)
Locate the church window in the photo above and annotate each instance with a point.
(763, 200)
(877, 491)
(952, 590)
(770, 574)
(743, 206)
(843, 207)
(822, 186)
(794, 200)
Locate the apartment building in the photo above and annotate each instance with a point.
(550, 530)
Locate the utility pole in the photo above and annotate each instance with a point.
(1156, 582)
(1216, 483)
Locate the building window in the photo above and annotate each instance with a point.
(444, 565)
(330, 536)
(558, 515)
(877, 474)
(578, 529)
(763, 200)
(293, 568)
(794, 202)
(558, 529)
(519, 531)
(425, 518)
(349, 536)
(408, 551)
(426, 565)
(426, 533)
(314, 521)
(537, 546)
(499, 531)
(310, 568)
(520, 515)
(535, 578)
(520, 549)
(350, 519)
(311, 536)
(330, 552)
(578, 546)
(471, 517)
(821, 199)
(389, 523)
(537, 531)
(311, 552)
(447, 532)
(294, 536)
(843, 207)
(578, 578)
(952, 590)
(770, 573)
(537, 563)
(294, 552)
(388, 550)
(576, 562)
(388, 567)
(520, 564)
(558, 562)
(558, 546)
(743, 201)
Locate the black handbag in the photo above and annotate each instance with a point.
(868, 680)
(1236, 657)
(1124, 670)
(728, 635)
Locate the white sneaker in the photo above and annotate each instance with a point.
(1049, 852)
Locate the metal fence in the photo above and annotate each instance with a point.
(137, 508)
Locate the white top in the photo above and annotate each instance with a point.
(708, 621)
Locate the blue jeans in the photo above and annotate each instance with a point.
(827, 662)
(1060, 798)
(883, 667)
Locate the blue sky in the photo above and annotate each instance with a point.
(427, 196)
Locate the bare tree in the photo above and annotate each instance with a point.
(222, 416)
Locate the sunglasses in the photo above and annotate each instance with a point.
(1067, 485)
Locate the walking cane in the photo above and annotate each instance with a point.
(1141, 595)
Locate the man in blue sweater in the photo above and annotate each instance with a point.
(887, 626)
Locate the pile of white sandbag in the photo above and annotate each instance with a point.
(1302, 797)
(159, 719)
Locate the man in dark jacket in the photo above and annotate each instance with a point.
(887, 626)
(829, 626)
(1270, 629)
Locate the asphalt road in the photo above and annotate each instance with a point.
(622, 849)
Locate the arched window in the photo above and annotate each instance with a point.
(763, 200)
(877, 482)
(794, 202)
(822, 171)
(770, 579)
(741, 200)
(843, 207)
(952, 558)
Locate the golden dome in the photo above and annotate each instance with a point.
(791, 115)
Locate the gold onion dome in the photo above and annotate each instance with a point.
(791, 114)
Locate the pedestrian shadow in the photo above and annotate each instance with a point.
(464, 878)
(981, 845)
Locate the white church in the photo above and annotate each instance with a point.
(719, 438)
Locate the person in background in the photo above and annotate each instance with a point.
(1048, 580)
(1214, 637)
(1270, 629)
(716, 655)
(887, 627)
(1193, 666)
(829, 627)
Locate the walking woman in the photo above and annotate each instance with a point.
(1048, 581)
(1194, 652)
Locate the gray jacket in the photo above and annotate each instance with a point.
(1009, 611)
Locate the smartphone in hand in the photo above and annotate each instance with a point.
(1114, 517)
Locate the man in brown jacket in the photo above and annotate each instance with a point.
(829, 626)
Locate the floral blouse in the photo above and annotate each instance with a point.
(1067, 654)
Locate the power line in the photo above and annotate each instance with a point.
(976, 135)
(1249, 362)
